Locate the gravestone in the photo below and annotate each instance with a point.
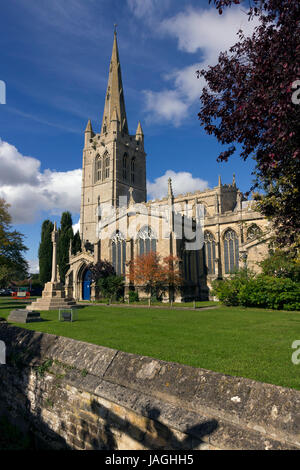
(24, 316)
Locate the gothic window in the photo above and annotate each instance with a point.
(253, 232)
(125, 166)
(107, 164)
(118, 252)
(132, 169)
(146, 240)
(98, 168)
(231, 251)
(209, 252)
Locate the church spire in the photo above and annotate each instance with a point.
(114, 99)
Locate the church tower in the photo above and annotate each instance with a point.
(113, 160)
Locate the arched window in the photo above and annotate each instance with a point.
(146, 240)
(132, 170)
(98, 168)
(118, 252)
(209, 252)
(125, 166)
(231, 251)
(253, 232)
(107, 164)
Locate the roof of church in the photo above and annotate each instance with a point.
(114, 99)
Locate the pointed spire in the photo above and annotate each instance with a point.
(233, 180)
(139, 130)
(220, 182)
(88, 133)
(170, 189)
(89, 127)
(114, 94)
(131, 201)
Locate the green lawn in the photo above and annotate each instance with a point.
(254, 343)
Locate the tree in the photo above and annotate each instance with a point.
(249, 101)
(101, 269)
(45, 252)
(281, 263)
(64, 236)
(12, 261)
(76, 243)
(155, 274)
(111, 286)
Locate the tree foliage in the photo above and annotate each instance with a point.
(248, 101)
(65, 235)
(154, 273)
(45, 252)
(76, 243)
(111, 286)
(101, 270)
(12, 248)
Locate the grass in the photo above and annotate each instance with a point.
(253, 343)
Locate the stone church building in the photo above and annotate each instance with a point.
(212, 232)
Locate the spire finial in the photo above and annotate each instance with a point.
(170, 189)
(115, 28)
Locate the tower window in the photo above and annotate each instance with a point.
(98, 168)
(107, 164)
(231, 251)
(125, 166)
(132, 170)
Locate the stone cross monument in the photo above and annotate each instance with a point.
(53, 295)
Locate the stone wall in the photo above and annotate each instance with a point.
(71, 394)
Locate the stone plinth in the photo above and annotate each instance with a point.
(53, 298)
(24, 316)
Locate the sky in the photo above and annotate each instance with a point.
(54, 62)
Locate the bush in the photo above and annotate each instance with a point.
(227, 290)
(111, 287)
(261, 291)
(281, 264)
(133, 296)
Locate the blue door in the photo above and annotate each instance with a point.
(86, 285)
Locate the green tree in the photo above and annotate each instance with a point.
(64, 236)
(281, 263)
(111, 286)
(76, 243)
(12, 261)
(45, 252)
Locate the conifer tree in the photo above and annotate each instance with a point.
(64, 236)
(45, 251)
(76, 243)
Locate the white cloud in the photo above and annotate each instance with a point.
(76, 227)
(165, 105)
(148, 9)
(34, 266)
(182, 182)
(30, 191)
(197, 31)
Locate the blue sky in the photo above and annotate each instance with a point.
(54, 60)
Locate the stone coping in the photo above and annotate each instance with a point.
(263, 414)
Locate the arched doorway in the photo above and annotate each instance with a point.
(86, 285)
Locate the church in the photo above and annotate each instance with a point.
(212, 232)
